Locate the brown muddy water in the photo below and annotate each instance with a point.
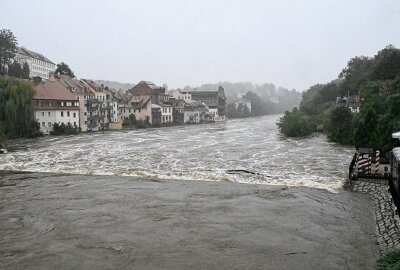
(52, 221)
(121, 200)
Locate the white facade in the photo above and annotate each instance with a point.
(213, 113)
(196, 116)
(47, 118)
(39, 66)
(113, 105)
(166, 114)
(83, 112)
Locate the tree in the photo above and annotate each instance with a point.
(295, 124)
(357, 72)
(16, 111)
(25, 71)
(64, 69)
(8, 49)
(387, 64)
(339, 127)
(14, 70)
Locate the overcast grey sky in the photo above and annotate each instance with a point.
(294, 44)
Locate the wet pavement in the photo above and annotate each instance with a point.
(50, 221)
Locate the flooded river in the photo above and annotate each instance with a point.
(194, 152)
(158, 219)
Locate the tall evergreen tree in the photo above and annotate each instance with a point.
(8, 49)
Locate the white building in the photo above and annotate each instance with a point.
(54, 103)
(166, 114)
(194, 112)
(39, 65)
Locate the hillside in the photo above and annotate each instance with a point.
(361, 108)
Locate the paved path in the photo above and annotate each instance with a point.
(106, 222)
(387, 221)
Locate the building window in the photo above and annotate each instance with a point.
(49, 113)
(74, 115)
(62, 114)
(43, 124)
(68, 114)
(43, 114)
(49, 123)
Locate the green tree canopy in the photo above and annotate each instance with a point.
(356, 73)
(64, 69)
(16, 112)
(8, 49)
(387, 64)
(16, 70)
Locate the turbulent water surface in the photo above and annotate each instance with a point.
(195, 152)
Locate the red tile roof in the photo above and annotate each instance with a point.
(53, 91)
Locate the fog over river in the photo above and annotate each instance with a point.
(193, 152)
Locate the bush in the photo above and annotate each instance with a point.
(389, 261)
(130, 121)
(296, 124)
(64, 129)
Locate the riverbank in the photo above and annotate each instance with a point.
(387, 220)
(51, 221)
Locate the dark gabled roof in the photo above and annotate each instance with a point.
(38, 56)
(142, 102)
(194, 105)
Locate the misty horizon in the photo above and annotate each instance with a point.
(290, 44)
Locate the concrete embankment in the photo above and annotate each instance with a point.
(52, 221)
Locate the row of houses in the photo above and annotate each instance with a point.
(89, 106)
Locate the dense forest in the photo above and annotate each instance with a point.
(371, 84)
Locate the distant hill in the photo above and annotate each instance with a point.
(116, 85)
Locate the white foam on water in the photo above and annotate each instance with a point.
(197, 152)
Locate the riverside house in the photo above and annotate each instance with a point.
(54, 103)
(81, 92)
(214, 100)
(146, 88)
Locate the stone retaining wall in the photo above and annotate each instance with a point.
(387, 220)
